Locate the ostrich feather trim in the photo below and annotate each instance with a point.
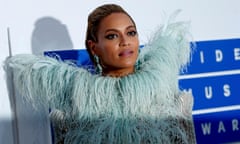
(144, 107)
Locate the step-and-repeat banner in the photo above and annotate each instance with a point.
(213, 77)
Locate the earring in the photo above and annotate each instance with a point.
(138, 62)
(139, 50)
(98, 66)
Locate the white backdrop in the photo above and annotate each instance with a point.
(31, 20)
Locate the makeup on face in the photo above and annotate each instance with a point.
(118, 43)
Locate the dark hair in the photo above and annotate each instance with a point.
(95, 18)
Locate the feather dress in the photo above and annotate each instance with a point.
(146, 107)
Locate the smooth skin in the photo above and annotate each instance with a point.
(117, 45)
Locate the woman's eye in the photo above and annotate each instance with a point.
(132, 33)
(111, 36)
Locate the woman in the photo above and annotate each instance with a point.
(112, 41)
(132, 97)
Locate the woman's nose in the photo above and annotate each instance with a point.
(124, 41)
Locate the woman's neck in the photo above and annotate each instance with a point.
(118, 72)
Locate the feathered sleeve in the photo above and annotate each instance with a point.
(164, 57)
(44, 80)
(168, 50)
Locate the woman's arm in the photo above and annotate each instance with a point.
(185, 103)
(43, 80)
(169, 49)
(166, 54)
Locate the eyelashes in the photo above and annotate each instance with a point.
(132, 33)
(112, 36)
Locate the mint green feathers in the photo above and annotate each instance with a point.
(144, 107)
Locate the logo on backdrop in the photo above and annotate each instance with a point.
(213, 78)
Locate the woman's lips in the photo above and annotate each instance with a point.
(126, 53)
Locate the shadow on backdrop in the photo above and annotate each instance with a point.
(50, 34)
(33, 125)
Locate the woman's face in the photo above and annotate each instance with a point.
(117, 46)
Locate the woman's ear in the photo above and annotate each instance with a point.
(92, 46)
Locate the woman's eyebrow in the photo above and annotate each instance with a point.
(115, 30)
(109, 30)
(131, 26)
